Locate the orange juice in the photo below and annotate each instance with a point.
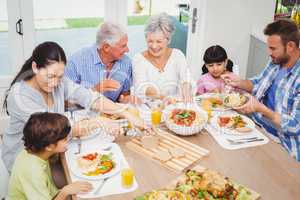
(156, 117)
(127, 177)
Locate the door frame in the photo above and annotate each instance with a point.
(194, 40)
(19, 46)
(15, 45)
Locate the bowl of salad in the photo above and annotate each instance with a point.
(185, 119)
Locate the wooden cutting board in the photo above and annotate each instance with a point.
(254, 195)
(167, 141)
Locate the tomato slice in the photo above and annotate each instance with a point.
(224, 120)
(90, 156)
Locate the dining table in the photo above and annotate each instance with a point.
(267, 169)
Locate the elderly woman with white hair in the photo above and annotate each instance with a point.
(160, 71)
(103, 66)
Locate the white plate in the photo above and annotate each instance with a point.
(250, 124)
(76, 171)
(199, 98)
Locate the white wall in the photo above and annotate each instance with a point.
(229, 24)
(261, 17)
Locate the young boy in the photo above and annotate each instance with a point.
(45, 134)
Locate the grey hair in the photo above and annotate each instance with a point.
(109, 33)
(161, 22)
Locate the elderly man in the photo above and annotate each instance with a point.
(276, 102)
(104, 67)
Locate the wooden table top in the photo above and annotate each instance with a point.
(267, 169)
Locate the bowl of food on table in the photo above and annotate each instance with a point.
(185, 119)
(234, 124)
(201, 184)
(95, 164)
(233, 100)
(221, 101)
(211, 101)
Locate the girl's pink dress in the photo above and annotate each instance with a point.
(207, 83)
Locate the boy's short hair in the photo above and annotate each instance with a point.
(43, 129)
(286, 29)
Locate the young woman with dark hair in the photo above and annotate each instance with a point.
(39, 87)
(45, 134)
(216, 63)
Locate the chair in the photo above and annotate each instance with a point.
(179, 38)
(4, 176)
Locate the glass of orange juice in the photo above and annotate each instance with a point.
(127, 176)
(156, 116)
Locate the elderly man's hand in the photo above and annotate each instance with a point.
(107, 85)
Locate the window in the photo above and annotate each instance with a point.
(5, 70)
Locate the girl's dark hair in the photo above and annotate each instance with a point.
(44, 54)
(216, 54)
(43, 129)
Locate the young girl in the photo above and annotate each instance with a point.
(45, 134)
(216, 64)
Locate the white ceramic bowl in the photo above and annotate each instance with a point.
(185, 130)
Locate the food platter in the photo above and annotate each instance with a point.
(234, 100)
(234, 124)
(95, 164)
(221, 101)
(201, 184)
(213, 101)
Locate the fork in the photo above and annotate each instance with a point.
(78, 145)
(101, 185)
(244, 139)
(234, 142)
